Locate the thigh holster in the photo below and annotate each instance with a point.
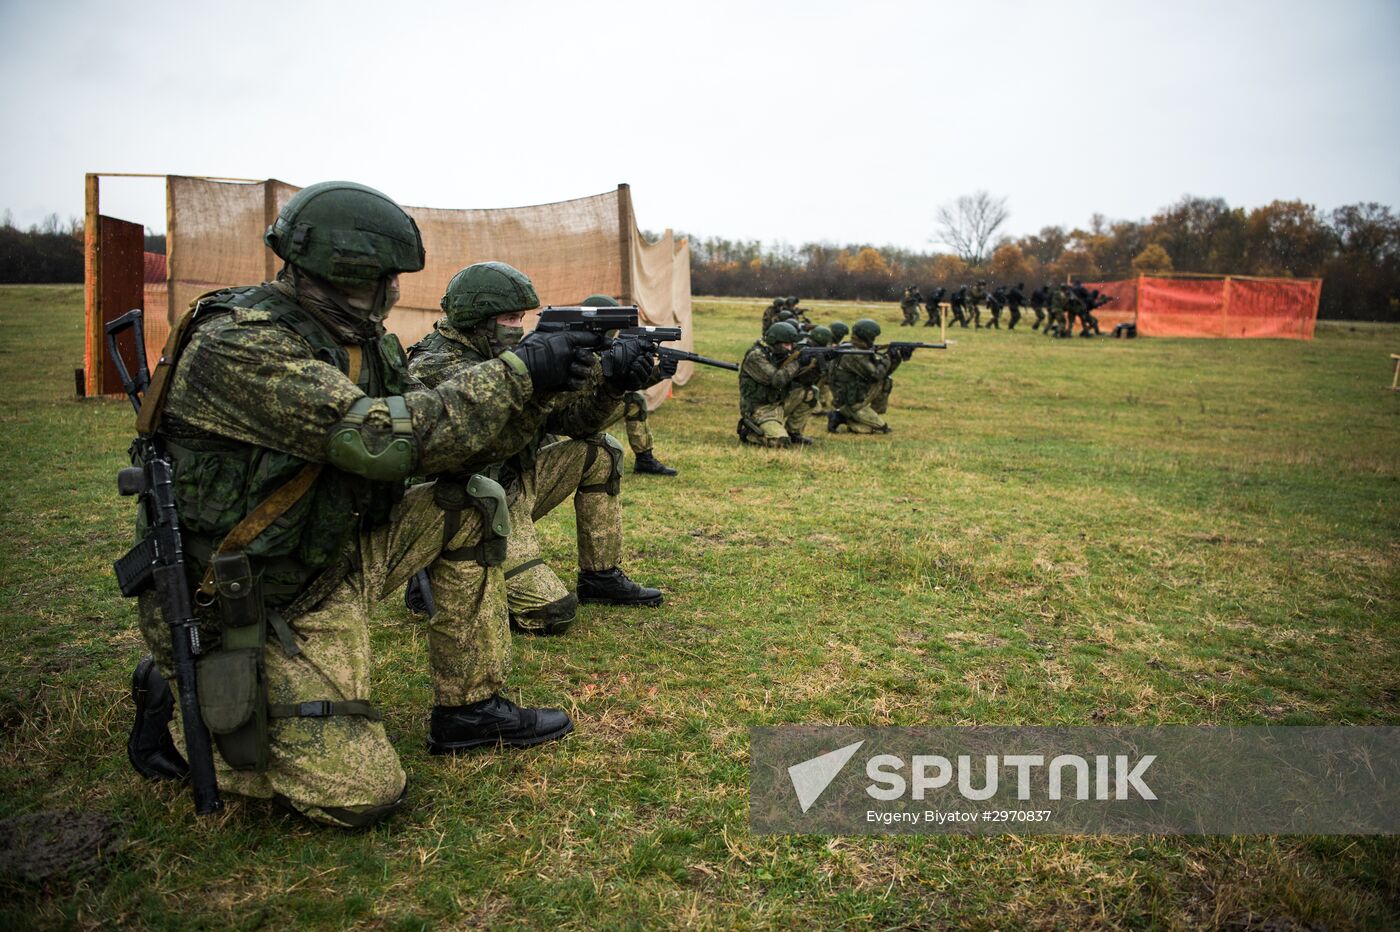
(610, 445)
(232, 682)
(485, 495)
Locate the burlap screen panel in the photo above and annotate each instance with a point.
(215, 235)
(654, 287)
(570, 249)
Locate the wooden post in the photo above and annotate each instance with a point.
(269, 215)
(92, 299)
(624, 230)
(172, 313)
(1225, 308)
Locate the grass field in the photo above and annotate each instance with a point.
(1057, 532)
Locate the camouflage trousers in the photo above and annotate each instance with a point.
(589, 470)
(911, 315)
(341, 769)
(634, 416)
(866, 416)
(824, 402)
(772, 425)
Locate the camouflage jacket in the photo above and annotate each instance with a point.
(764, 379)
(256, 393)
(446, 352)
(853, 375)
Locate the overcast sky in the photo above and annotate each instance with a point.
(847, 122)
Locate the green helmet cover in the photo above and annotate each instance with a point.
(785, 314)
(599, 300)
(791, 302)
(839, 330)
(820, 335)
(781, 332)
(346, 233)
(485, 289)
(866, 329)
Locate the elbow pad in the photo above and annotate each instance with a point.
(349, 451)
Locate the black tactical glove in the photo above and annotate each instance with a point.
(628, 365)
(558, 361)
(667, 369)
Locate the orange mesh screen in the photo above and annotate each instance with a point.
(1279, 307)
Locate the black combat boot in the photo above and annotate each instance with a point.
(612, 587)
(648, 463)
(150, 748)
(492, 722)
(798, 440)
(834, 420)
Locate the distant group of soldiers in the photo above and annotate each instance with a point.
(800, 369)
(1056, 308)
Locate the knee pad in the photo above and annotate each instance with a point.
(634, 407)
(610, 445)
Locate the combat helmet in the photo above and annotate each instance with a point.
(791, 301)
(820, 335)
(786, 314)
(781, 332)
(866, 329)
(599, 300)
(346, 233)
(485, 289)
(839, 330)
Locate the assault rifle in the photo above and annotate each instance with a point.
(158, 560)
(805, 354)
(905, 348)
(625, 320)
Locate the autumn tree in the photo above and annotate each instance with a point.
(1287, 238)
(1152, 260)
(1009, 265)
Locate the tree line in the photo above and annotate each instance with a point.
(1354, 249)
(51, 251)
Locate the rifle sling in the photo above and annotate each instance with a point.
(261, 517)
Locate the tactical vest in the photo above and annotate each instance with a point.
(219, 481)
(849, 386)
(754, 394)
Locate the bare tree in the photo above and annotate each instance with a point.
(969, 223)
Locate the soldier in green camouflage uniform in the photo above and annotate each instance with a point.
(776, 394)
(909, 306)
(821, 336)
(861, 385)
(771, 312)
(292, 391)
(634, 415)
(1058, 325)
(485, 305)
(978, 297)
(799, 315)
